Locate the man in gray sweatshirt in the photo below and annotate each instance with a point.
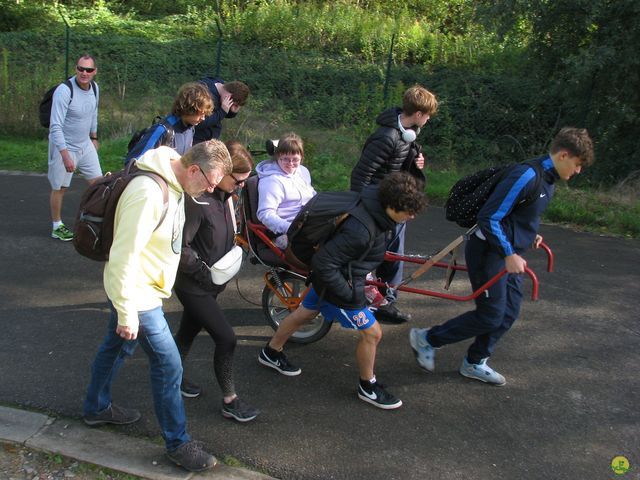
(73, 138)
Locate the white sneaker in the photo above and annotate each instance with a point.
(481, 371)
(425, 353)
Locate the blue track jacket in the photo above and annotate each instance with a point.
(510, 228)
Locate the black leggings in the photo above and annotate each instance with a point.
(203, 311)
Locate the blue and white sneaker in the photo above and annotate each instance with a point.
(481, 371)
(425, 353)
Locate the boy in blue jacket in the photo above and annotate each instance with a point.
(508, 227)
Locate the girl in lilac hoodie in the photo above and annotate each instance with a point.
(284, 186)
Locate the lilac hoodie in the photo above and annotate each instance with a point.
(281, 196)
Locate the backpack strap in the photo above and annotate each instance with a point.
(537, 185)
(162, 183)
(232, 210)
(168, 128)
(69, 85)
(369, 223)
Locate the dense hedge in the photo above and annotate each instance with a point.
(323, 64)
(481, 118)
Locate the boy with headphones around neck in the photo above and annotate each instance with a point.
(392, 148)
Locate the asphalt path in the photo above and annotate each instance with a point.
(571, 362)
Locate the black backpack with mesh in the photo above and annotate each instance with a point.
(470, 193)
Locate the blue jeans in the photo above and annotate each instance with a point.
(391, 272)
(165, 369)
(496, 309)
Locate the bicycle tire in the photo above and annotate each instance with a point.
(275, 311)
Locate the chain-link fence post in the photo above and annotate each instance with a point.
(388, 73)
(219, 48)
(67, 29)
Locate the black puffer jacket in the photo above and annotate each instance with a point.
(337, 273)
(211, 127)
(384, 152)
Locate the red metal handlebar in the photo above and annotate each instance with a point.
(261, 232)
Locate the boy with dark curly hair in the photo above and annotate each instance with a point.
(338, 272)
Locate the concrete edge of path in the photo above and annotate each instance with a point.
(123, 453)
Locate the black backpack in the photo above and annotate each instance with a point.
(137, 136)
(44, 109)
(318, 220)
(93, 229)
(470, 193)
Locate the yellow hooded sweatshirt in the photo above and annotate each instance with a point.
(143, 261)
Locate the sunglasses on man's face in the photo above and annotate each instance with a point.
(85, 69)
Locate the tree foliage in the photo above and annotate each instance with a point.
(585, 52)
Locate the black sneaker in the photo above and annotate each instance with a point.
(278, 361)
(114, 414)
(389, 313)
(189, 390)
(376, 395)
(192, 457)
(239, 410)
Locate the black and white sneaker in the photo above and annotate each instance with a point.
(278, 361)
(389, 313)
(376, 395)
(189, 390)
(239, 410)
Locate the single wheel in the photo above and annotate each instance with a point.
(275, 309)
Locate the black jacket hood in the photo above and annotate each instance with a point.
(371, 203)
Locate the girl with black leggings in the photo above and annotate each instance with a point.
(207, 237)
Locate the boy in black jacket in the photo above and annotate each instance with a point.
(508, 228)
(392, 148)
(338, 279)
(228, 99)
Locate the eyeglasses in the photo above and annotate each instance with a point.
(237, 182)
(85, 69)
(293, 160)
(211, 185)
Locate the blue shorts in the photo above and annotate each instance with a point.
(359, 319)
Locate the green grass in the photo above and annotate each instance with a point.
(30, 155)
(330, 156)
(609, 212)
